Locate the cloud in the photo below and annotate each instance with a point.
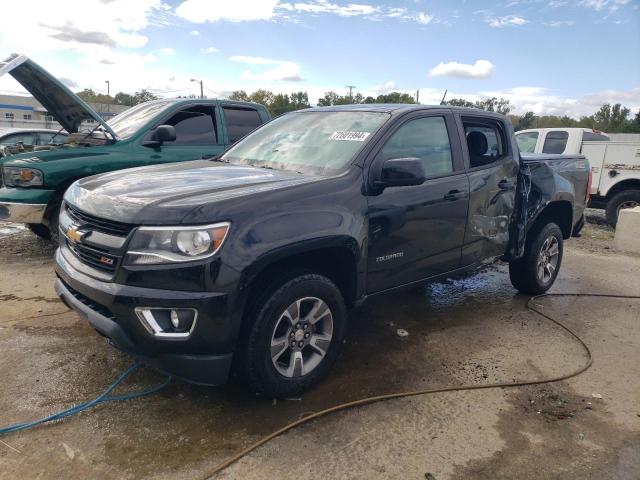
(599, 5)
(194, 33)
(68, 82)
(209, 50)
(69, 33)
(278, 70)
(560, 23)
(324, 6)
(201, 11)
(480, 69)
(167, 51)
(94, 27)
(506, 21)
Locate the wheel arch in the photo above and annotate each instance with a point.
(337, 258)
(628, 184)
(559, 212)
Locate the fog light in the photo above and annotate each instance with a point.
(168, 322)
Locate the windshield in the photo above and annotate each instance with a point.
(129, 122)
(318, 143)
(527, 141)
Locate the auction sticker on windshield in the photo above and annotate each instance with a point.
(350, 136)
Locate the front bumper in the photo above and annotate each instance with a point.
(22, 212)
(204, 358)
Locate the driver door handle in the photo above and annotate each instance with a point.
(506, 184)
(454, 195)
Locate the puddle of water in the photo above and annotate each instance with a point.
(8, 229)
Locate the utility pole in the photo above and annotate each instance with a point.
(351, 87)
(418, 96)
(108, 86)
(201, 88)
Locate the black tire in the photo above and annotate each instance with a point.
(618, 201)
(524, 272)
(54, 223)
(49, 229)
(40, 230)
(259, 369)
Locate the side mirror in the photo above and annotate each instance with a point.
(161, 134)
(402, 172)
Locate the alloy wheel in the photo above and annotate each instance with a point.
(548, 258)
(301, 337)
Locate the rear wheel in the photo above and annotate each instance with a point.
(295, 337)
(537, 270)
(621, 200)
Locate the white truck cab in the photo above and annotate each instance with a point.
(615, 166)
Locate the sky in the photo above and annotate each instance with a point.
(560, 57)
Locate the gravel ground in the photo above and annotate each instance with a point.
(464, 331)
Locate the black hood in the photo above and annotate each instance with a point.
(165, 194)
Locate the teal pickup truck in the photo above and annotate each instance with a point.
(159, 131)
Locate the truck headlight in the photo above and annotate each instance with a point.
(161, 245)
(21, 177)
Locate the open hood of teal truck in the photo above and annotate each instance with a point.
(64, 105)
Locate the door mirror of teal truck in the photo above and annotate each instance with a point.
(161, 134)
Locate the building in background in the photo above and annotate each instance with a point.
(25, 112)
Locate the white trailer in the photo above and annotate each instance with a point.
(615, 166)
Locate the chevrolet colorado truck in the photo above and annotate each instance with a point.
(253, 259)
(161, 131)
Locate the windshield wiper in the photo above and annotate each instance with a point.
(215, 158)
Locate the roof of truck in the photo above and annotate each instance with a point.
(394, 108)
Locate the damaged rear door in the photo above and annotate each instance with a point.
(492, 167)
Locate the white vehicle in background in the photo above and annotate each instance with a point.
(615, 166)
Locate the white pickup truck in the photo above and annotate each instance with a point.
(615, 166)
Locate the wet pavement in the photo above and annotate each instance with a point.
(462, 331)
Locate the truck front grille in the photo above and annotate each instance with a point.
(97, 259)
(100, 224)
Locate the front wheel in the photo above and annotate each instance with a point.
(537, 270)
(295, 337)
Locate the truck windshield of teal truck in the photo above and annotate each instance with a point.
(129, 122)
(317, 143)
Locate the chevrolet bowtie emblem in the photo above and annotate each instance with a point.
(76, 235)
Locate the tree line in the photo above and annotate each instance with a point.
(608, 118)
(141, 96)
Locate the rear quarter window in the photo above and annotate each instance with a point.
(240, 121)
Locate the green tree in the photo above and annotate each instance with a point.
(123, 99)
(395, 97)
(280, 104)
(526, 121)
(88, 95)
(142, 96)
(264, 97)
(299, 100)
(460, 102)
(239, 96)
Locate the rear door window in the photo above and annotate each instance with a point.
(555, 142)
(240, 121)
(485, 141)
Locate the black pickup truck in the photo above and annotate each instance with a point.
(254, 258)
